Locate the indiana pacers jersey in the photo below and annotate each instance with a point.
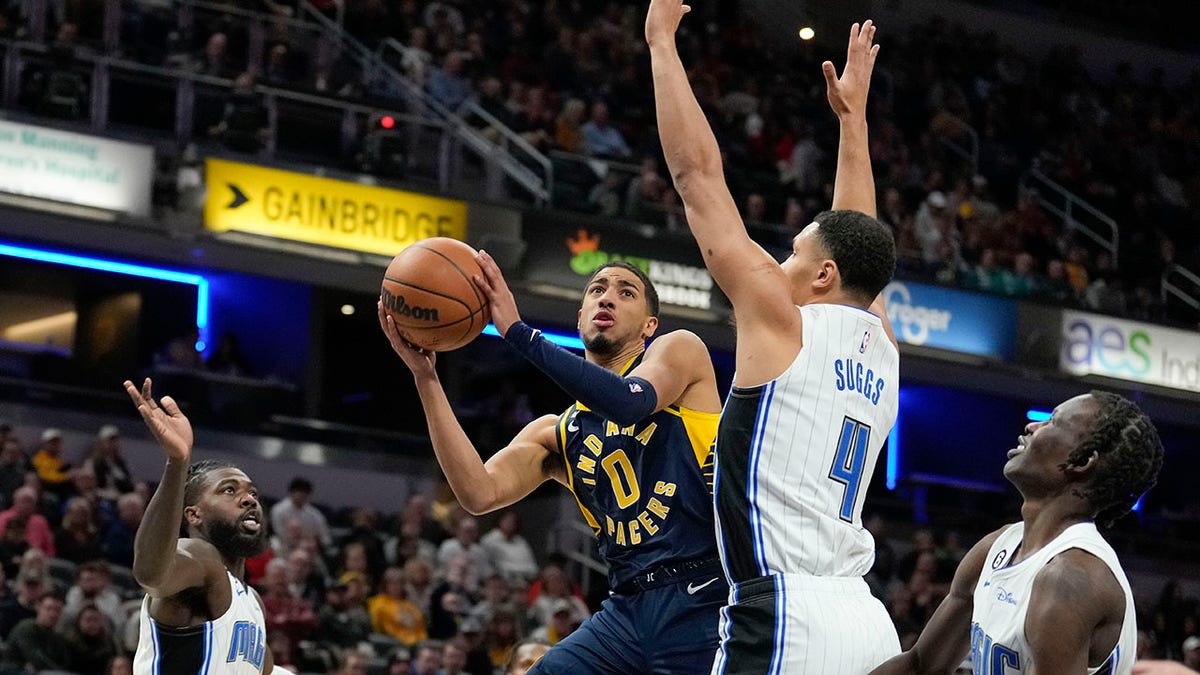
(645, 489)
(235, 642)
(998, 644)
(794, 456)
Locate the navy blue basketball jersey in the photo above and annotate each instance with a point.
(645, 489)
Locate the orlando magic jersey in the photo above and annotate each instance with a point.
(794, 456)
(645, 489)
(235, 642)
(998, 644)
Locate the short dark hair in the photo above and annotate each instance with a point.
(512, 656)
(300, 484)
(863, 249)
(197, 475)
(651, 291)
(1130, 456)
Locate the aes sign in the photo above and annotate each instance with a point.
(1129, 350)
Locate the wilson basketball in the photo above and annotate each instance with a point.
(429, 292)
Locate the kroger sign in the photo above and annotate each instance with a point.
(1129, 350)
(948, 319)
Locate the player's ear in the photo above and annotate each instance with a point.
(650, 327)
(191, 515)
(827, 275)
(1086, 466)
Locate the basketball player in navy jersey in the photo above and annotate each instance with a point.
(198, 615)
(636, 452)
(1047, 595)
(815, 392)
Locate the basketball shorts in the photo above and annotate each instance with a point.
(665, 630)
(803, 625)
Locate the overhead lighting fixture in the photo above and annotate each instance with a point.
(807, 33)
(348, 310)
(128, 269)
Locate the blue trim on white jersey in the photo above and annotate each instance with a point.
(207, 647)
(780, 621)
(756, 442)
(724, 558)
(155, 647)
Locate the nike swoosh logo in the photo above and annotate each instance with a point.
(692, 589)
(572, 427)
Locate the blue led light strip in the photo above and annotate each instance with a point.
(568, 341)
(1037, 415)
(128, 269)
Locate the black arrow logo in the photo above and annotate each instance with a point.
(239, 197)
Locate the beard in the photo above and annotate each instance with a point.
(601, 345)
(230, 540)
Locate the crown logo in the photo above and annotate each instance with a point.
(583, 241)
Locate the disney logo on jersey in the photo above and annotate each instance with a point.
(1005, 596)
(913, 322)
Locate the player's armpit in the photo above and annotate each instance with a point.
(879, 308)
(946, 639)
(1072, 597)
(516, 470)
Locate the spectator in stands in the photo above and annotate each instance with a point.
(1191, 652)
(416, 61)
(37, 528)
(418, 583)
(22, 604)
(465, 544)
(284, 612)
(118, 543)
(600, 138)
(53, 471)
(501, 634)
(364, 531)
(90, 642)
(93, 587)
(298, 506)
(1057, 287)
(78, 537)
(279, 70)
(340, 622)
(525, 655)
(304, 581)
(933, 225)
(215, 60)
(408, 544)
(563, 620)
(227, 358)
(244, 126)
(568, 128)
(556, 586)
(454, 657)
(400, 662)
(13, 545)
(391, 612)
(113, 477)
(13, 467)
(120, 665)
(352, 663)
(451, 600)
(36, 644)
(448, 84)
(428, 659)
(508, 551)
(418, 510)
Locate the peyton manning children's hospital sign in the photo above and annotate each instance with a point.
(75, 168)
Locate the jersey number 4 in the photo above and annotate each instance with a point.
(849, 462)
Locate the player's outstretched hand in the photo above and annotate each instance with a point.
(662, 20)
(848, 94)
(166, 421)
(420, 361)
(501, 302)
(1161, 668)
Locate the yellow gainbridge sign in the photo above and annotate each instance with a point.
(324, 211)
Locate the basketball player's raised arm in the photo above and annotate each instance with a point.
(947, 637)
(161, 564)
(751, 278)
(1072, 597)
(507, 476)
(672, 363)
(854, 183)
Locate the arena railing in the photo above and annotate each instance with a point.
(1072, 209)
(464, 135)
(1172, 278)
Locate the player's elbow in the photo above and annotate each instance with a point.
(149, 577)
(477, 504)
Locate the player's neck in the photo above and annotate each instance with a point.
(1045, 519)
(618, 360)
(838, 298)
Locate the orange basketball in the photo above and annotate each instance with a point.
(429, 292)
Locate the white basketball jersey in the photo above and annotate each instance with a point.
(794, 456)
(235, 642)
(998, 644)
